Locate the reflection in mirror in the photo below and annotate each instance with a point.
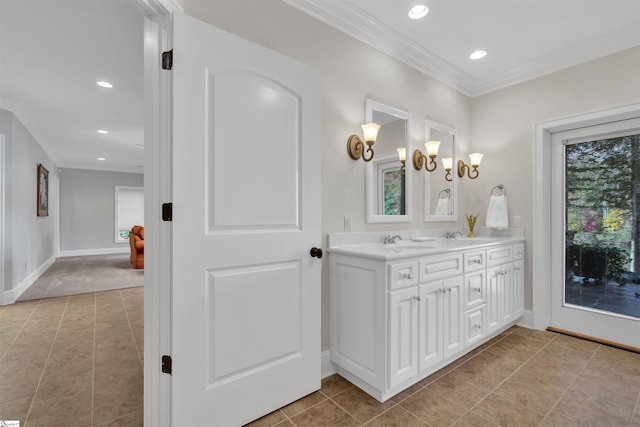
(440, 186)
(386, 180)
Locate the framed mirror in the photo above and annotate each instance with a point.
(388, 186)
(440, 186)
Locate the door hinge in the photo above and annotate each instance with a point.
(166, 364)
(167, 211)
(167, 60)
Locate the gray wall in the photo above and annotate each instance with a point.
(87, 207)
(29, 239)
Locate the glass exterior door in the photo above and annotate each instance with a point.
(602, 208)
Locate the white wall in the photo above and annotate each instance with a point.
(87, 210)
(350, 71)
(503, 127)
(29, 239)
(502, 122)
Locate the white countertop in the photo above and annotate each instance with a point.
(411, 247)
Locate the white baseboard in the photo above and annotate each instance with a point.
(526, 320)
(99, 251)
(10, 296)
(326, 367)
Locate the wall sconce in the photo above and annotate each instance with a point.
(420, 159)
(447, 163)
(355, 146)
(402, 155)
(475, 159)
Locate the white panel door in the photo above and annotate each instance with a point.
(403, 335)
(246, 202)
(430, 328)
(453, 326)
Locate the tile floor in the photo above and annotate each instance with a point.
(77, 361)
(73, 361)
(520, 378)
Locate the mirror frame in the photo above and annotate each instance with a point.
(428, 217)
(370, 188)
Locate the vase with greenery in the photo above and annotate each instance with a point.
(471, 221)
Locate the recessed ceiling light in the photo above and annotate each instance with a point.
(103, 83)
(102, 131)
(478, 54)
(101, 158)
(418, 11)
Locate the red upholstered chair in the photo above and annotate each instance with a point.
(136, 242)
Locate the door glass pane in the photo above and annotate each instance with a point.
(602, 190)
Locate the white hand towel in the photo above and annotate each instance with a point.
(498, 213)
(442, 208)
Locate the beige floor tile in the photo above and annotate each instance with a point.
(16, 409)
(472, 419)
(360, 405)
(458, 391)
(396, 417)
(433, 408)
(532, 333)
(407, 392)
(303, 404)
(604, 397)
(326, 414)
(574, 344)
(635, 421)
(530, 396)
(505, 412)
(69, 406)
(117, 393)
(334, 384)
(269, 420)
(135, 419)
(570, 412)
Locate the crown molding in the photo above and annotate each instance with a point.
(348, 18)
(353, 21)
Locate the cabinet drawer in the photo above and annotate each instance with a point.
(475, 325)
(499, 255)
(439, 267)
(475, 289)
(403, 274)
(518, 251)
(474, 261)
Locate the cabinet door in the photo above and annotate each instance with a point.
(474, 289)
(517, 280)
(403, 335)
(507, 298)
(494, 276)
(430, 328)
(453, 311)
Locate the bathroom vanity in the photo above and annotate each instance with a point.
(401, 311)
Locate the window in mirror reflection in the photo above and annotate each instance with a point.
(391, 186)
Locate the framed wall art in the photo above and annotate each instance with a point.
(43, 191)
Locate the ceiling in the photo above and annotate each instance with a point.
(52, 53)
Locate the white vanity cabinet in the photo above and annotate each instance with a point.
(395, 321)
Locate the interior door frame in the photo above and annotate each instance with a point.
(541, 234)
(2, 212)
(158, 35)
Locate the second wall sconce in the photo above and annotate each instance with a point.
(420, 159)
(355, 146)
(475, 159)
(402, 156)
(447, 164)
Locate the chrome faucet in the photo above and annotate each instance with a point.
(452, 234)
(390, 239)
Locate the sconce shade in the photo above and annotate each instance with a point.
(432, 148)
(402, 154)
(475, 159)
(370, 131)
(447, 163)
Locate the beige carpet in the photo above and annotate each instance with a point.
(85, 274)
